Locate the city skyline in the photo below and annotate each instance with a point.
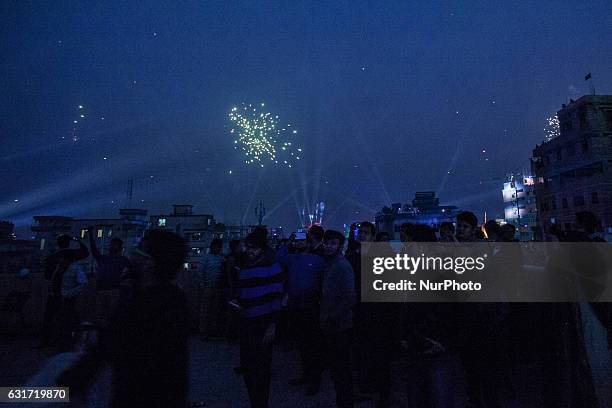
(388, 101)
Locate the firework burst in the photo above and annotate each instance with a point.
(552, 128)
(261, 137)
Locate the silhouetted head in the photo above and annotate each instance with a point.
(447, 232)
(423, 233)
(382, 236)
(507, 232)
(493, 230)
(256, 243)
(63, 241)
(168, 252)
(406, 232)
(216, 245)
(333, 241)
(466, 226)
(367, 232)
(115, 247)
(315, 235)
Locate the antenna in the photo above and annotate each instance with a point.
(260, 212)
(129, 192)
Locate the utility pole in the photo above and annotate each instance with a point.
(260, 212)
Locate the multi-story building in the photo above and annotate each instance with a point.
(575, 168)
(424, 209)
(520, 206)
(129, 227)
(197, 229)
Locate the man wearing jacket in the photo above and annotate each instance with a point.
(336, 315)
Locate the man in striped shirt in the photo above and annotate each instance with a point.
(260, 291)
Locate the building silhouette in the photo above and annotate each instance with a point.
(425, 208)
(574, 170)
(520, 207)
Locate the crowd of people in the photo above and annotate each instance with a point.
(307, 291)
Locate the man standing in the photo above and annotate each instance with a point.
(63, 272)
(260, 291)
(304, 275)
(111, 267)
(315, 240)
(209, 275)
(336, 315)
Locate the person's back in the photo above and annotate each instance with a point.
(148, 337)
(338, 295)
(152, 354)
(304, 275)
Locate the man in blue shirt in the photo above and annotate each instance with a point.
(304, 275)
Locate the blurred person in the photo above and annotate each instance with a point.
(467, 225)
(209, 276)
(508, 233)
(493, 231)
(67, 278)
(447, 232)
(110, 268)
(406, 232)
(382, 236)
(315, 239)
(260, 292)
(482, 325)
(304, 271)
(336, 316)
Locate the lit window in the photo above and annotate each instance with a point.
(42, 244)
(110, 233)
(83, 232)
(161, 222)
(100, 233)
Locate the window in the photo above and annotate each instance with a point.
(100, 233)
(110, 233)
(42, 244)
(571, 150)
(553, 204)
(196, 236)
(594, 197)
(197, 250)
(564, 203)
(83, 233)
(578, 200)
(161, 222)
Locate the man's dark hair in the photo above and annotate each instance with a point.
(370, 226)
(216, 243)
(333, 234)
(117, 241)
(258, 238)
(63, 241)
(509, 228)
(492, 228)
(468, 217)
(407, 228)
(169, 251)
(448, 226)
(382, 236)
(423, 233)
(588, 220)
(316, 231)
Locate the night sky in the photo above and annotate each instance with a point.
(388, 98)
